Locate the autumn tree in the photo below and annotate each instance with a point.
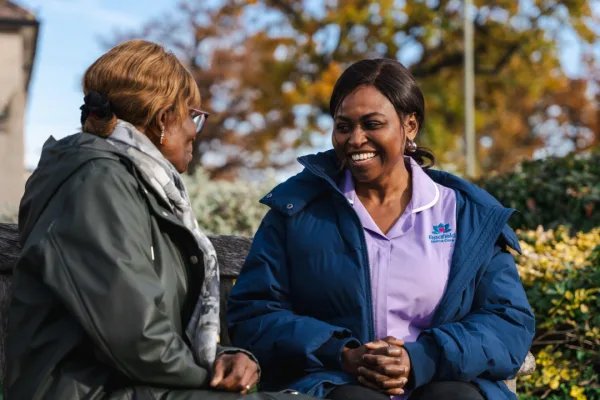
(266, 69)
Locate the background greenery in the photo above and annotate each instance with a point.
(552, 192)
(561, 273)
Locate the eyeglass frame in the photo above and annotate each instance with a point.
(202, 116)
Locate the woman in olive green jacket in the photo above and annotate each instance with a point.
(116, 292)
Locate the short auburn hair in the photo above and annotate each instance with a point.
(139, 78)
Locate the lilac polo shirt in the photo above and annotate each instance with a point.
(409, 265)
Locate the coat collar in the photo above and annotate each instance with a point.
(320, 175)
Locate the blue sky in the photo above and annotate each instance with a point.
(71, 37)
(72, 33)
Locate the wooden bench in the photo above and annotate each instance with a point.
(231, 252)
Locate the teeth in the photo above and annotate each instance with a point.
(362, 156)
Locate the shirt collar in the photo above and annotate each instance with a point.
(425, 193)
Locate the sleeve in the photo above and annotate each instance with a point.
(260, 314)
(490, 342)
(98, 262)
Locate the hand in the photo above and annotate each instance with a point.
(385, 368)
(352, 357)
(234, 373)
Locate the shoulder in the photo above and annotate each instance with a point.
(100, 188)
(477, 209)
(467, 191)
(103, 195)
(318, 178)
(296, 193)
(113, 176)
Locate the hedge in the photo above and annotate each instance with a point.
(561, 274)
(552, 192)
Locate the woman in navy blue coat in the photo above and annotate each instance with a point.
(374, 276)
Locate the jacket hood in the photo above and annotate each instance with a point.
(322, 172)
(59, 160)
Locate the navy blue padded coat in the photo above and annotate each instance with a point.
(304, 291)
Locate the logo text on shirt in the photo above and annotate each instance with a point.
(442, 233)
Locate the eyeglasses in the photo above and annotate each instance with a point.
(199, 117)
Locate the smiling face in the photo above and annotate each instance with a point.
(179, 142)
(369, 136)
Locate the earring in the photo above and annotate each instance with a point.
(162, 135)
(411, 146)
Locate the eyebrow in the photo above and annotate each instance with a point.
(362, 117)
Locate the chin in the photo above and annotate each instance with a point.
(363, 176)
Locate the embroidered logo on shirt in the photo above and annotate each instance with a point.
(442, 233)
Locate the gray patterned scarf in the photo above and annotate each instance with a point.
(203, 328)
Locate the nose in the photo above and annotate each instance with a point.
(357, 137)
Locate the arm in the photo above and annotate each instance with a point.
(260, 314)
(98, 262)
(490, 342)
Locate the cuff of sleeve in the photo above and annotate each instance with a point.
(232, 350)
(330, 353)
(424, 355)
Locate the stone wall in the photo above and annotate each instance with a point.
(12, 113)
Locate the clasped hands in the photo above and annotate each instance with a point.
(382, 365)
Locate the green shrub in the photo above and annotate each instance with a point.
(227, 208)
(552, 192)
(561, 274)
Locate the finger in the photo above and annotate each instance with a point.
(391, 351)
(249, 378)
(218, 371)
(395, 392)
(389, 366)
(232, 380)
(378, 344)
(394, 371)
(378, 359)
(394, 383)
(253, 381)
(372, 376)
(368, 384)
(393, 341)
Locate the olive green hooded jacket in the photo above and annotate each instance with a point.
(107, 280)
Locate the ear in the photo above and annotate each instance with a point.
(162, 118)
(411, 126)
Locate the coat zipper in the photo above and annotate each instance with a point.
(367, 270)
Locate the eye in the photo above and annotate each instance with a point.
(372, 125)
(342, 127)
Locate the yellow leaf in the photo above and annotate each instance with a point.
(584, 309)
(568, 295)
